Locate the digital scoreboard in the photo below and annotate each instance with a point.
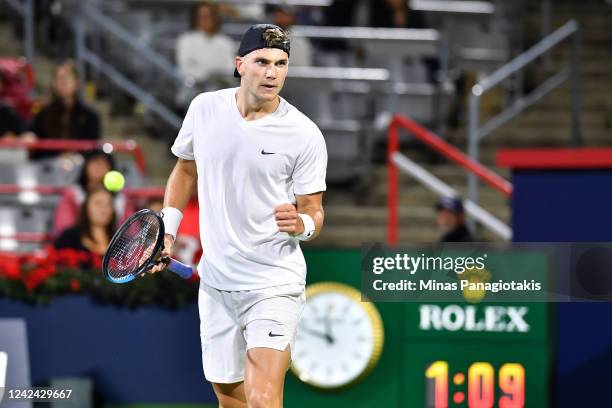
(476, 356)
(475, 324)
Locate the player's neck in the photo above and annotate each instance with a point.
(252, 108)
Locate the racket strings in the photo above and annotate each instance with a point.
(133, 247)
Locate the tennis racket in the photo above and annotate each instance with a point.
(135, 248)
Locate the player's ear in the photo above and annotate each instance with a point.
(239, 62)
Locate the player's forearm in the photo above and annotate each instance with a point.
(317, 214)
(180, 186)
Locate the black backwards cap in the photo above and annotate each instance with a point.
(254, 39)
(453, 204)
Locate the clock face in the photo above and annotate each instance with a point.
(339, 338)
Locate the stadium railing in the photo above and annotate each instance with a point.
(337, 99)
(92, 19)
(36, 232)
(396, 160)
(25, 9)
(28, 196)
(307, 3)
(571, 72)
(454, 7)
(109, 146)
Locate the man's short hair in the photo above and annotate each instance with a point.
(275, 37)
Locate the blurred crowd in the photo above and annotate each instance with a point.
(65, 115)
(62, 115)
(87, 214)
(194, 47)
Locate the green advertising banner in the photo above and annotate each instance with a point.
(460, 352)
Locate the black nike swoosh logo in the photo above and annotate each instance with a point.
(264, 152)
(274, 335)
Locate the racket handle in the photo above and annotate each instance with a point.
(182, 270)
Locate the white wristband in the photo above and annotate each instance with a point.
(309, 227)
(172, 219)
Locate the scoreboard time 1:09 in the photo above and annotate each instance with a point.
(480, 386)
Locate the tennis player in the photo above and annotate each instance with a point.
(260, 166)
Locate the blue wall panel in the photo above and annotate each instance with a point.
(572, 206)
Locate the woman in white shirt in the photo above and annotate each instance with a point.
(204, 50)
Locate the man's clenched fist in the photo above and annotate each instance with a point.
(165, 253)
(287, 219)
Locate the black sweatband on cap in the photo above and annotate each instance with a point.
(253, 40)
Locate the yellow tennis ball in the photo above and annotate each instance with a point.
(114, 181)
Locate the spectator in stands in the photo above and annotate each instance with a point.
(66, 116)
(340, 13)
(397, 14)
(394, 14)
(11, 124)
(96, 225)
(451, 220)
(301, 49)
(96, 164)
(204, 50)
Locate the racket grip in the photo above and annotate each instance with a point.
(182, 270)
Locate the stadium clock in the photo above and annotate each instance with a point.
(339, 338)
(480, 384)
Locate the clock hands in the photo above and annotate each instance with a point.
(316, 333)
(328, 332)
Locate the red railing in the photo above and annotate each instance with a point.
(147, 192)
(43, 189)
(28, 236)
(131, 193)
(123, 146)
(445, 149)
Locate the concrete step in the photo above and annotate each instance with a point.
(409, 215)
(591, 99)
(418, 195)
(545, 117)
(546, 138)
(512, 135)
(9, 46)
(595, 68)
(596, 20)
(591, 35)
(589, 52)
(449, 173)
(355, 236)
(579, 9)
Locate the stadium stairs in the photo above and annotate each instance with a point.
(350, 221)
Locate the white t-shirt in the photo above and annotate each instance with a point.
(245, 169)
(198, 55)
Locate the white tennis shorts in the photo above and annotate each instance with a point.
(233, 322)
